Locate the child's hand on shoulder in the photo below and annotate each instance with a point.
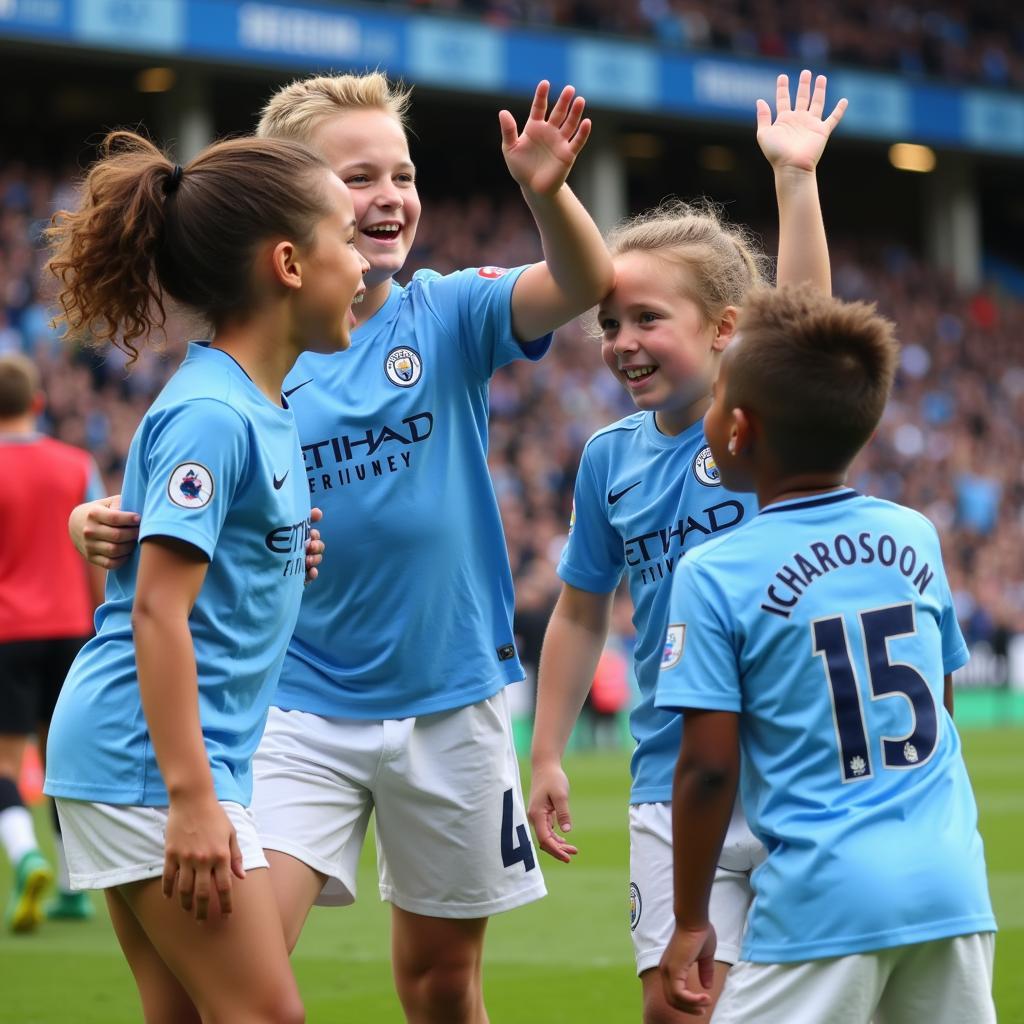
(314, 547)
(796, 138)
(541, 157)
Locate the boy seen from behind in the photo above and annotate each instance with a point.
(821, 639)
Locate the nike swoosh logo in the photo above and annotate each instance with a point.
(613, 497)
(289, 393)
(278, 484)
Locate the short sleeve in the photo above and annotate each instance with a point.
(699, 667)
(593, 558)
(196, 459)
(476, 304)
(954, 648)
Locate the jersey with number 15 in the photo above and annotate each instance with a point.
(828, 625)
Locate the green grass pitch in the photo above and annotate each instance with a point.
(566, 958)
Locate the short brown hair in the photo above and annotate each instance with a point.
(817, 371)
(19, 382)
(723, 259)
(295, 111)
(146, 227)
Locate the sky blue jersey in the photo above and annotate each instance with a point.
(643, 500)
(412, 610)
(216, 464)
(827, 623)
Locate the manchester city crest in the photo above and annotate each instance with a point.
(403, 367)
(705, 470)
(636, 906)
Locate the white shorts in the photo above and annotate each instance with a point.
(651, 917)
(948, 981)
(114, 844)
(452, 836)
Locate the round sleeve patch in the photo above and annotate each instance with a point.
(673, 649)
(492, 273)
(190, 485)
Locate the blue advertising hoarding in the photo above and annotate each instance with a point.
(470, 56)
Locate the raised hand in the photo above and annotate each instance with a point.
(540, 159)
(798, 134)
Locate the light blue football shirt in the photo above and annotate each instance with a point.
(827, 623)
(216, 464)
(643, 500)
(412, 610)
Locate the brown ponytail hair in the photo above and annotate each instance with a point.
(147, 228)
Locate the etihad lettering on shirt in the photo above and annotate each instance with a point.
(290, 540)
(656, 554)
(823, 557)
(375, 452)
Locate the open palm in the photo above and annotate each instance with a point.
(798, 135)
(540, 158)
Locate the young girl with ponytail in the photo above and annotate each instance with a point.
(150, 749)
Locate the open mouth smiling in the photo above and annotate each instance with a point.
(386, 231)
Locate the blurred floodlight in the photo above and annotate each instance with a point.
(717, 158)
(905, 156)
(155, 79)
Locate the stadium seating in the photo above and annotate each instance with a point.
(951, 444)
(980, 42)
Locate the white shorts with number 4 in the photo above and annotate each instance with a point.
(651, 918)
(452, 835)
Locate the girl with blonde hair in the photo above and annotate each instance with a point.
(647, 491)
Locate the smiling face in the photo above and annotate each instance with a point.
(369, 152)
(333, 270)
(655, 339)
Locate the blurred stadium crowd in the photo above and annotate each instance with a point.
(951, 444)
(976, 42)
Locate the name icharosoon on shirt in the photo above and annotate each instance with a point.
(827, 623)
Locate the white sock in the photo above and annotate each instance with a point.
(17, 833)
(63, 881)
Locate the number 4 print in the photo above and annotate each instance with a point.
(887, 679)
(512, 852)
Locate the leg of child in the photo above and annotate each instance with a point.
(164, 1001)
(233, 968)
(437, 964)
